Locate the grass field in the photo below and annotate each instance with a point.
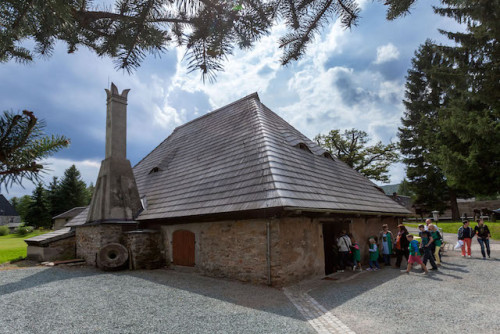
(12, 246)
(452, 227)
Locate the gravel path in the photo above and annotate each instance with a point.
(462, 297)
(84, 300)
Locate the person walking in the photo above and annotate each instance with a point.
(465, 233)
(483, 237)
(356, 255)
(385, 244)
(344, 244)
(401, 245)
(427, 240)
(414, 255)
(438, 241)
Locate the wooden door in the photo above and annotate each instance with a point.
(183, 248)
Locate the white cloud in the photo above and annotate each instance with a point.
(386, 53)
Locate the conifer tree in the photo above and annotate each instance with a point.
(72, 191)
(468, 149)
(22, 146)
(421, 130)
(38, 214)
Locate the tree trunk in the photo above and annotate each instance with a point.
(455, 214)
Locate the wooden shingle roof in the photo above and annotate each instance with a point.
(71, 212)
(245, 157)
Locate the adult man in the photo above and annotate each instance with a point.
(465, 233)
(427, 241)
(385, 240)
(438, 241)
(483, 236)
(344, 244)
(427, 223)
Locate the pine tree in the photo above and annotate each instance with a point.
(468, 150)
(38, 214)
(351, 147)
(53, 197)
(72, 191)
(90, 192)
(424, 96)
(22, 146)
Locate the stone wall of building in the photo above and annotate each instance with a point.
(236, 249)
(59, 223)
(145, 249)
(297, 251)
(90, 239)
(4, 220)
(63, 249)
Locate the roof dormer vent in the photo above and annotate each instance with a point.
(303, 146)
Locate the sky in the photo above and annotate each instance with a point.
(348, 79)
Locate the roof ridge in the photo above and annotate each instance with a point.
(260, 120)
(250, 96)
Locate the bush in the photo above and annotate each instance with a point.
(4, 230)
(23, 230)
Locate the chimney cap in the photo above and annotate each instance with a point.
(113, 92)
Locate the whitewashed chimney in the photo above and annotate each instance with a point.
(116, 197)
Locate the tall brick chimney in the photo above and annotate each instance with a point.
(116, 197)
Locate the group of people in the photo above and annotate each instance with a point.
(383, 246)
(466, 233)
(405, 245)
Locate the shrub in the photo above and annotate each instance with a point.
(4, 230)
(23, 230)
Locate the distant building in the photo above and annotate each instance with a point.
(63, 218)
(8, 215)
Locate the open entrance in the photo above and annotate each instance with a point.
(331, 231)
(183, 248)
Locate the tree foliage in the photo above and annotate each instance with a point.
(131, 29)
(70, 193)
(22, 146)
(351, 147)
(451, 128)
(21, 205)
(38, 213)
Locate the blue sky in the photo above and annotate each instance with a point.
(349, 79)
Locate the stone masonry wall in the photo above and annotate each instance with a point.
(63, 249)
(236, 249)
(90, 239)
(145, 249)
(298, 251)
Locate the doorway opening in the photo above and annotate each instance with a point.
(331, 231)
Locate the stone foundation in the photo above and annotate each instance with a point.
(91, 238)
(145, 249)
(59, 250)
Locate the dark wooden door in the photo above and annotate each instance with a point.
(183, 248)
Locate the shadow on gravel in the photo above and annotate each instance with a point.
(39, 278)
(258, 297)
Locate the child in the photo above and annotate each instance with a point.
(356, 255)
(414, 255)
(373, 255)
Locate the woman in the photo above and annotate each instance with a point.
(385, 240)
(401, 245)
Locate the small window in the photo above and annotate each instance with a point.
(303, 146)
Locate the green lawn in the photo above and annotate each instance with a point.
(452, 227)
(12, 246)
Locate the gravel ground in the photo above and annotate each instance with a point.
(84, 300)
(462, 297)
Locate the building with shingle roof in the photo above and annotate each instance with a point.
(63, 218)
(8, 215)
(236, 193)
(254, 198)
